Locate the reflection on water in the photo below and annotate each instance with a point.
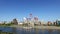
(50, 31)
(28, 31)
(14, 30)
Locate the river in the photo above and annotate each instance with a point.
(29, 31)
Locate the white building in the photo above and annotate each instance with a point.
(20, 23)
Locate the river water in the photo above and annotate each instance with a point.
(29, 31)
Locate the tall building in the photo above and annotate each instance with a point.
(58, 22)
(30, 15)
(36, 19)
(25, 20)
(55, 23)
(15, 21)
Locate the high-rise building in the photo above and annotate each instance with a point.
(25, 20)
(30, 14)
(36, 19)
(15, 21)
(58, 22)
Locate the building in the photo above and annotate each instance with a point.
(1, 22)
(15, 21)
(43, 23)
(49, 23)
(58, 22)
(24, 20)
(55, 23)
(36, 19)
(28, 22)
(20, 23)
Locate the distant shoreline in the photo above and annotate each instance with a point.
(46, 27)
(37, 27)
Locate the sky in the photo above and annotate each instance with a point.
(46, 10)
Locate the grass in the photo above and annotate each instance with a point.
(6, 33)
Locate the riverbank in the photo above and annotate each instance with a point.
(46, 27)
(37, 27)
(6, 33)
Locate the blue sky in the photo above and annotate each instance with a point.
(47, 10)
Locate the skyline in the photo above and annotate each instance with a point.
(46, 10)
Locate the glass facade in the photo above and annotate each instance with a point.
(59, 22)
